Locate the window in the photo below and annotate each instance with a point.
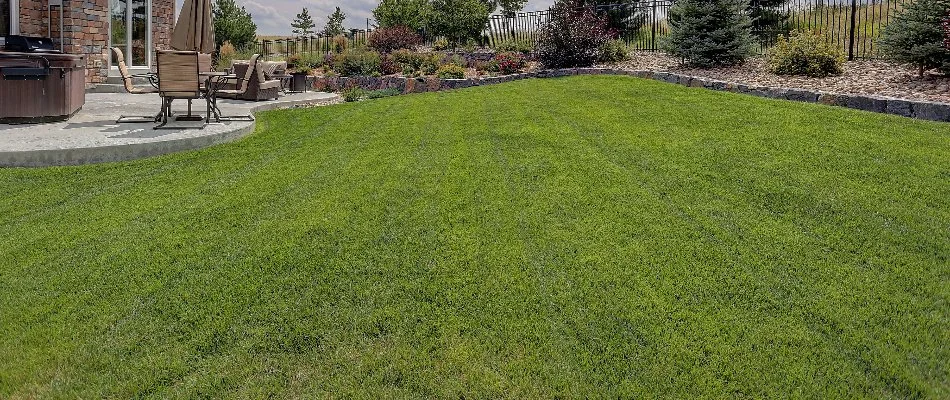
(4, 17)
(130, 26)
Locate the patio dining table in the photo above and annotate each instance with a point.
(212, 79)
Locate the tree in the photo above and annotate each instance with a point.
(709, 33)
(233, 24)
(334, 25)
(303, 25)
(574, 35)
(409, 13)
(915, 36)
(460, 21)
(768, 19)
(508, 7)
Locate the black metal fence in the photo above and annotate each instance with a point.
(852, 25)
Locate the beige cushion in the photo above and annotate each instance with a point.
(270, 84)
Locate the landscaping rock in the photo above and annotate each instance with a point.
(697, 82)
(801, 95)
(899, 107)
(866, 103)
(932, 111)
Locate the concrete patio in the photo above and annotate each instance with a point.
(93, 136)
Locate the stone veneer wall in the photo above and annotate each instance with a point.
(926, 110)
(86, 29)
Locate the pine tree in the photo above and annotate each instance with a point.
(915, 36)
(709, 33)
(334, 25)
(303, 25)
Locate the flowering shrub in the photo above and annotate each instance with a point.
(356, 62)
(386, 40)
(509, 62)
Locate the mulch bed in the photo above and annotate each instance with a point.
(865, 77)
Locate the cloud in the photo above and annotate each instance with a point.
(273, 17)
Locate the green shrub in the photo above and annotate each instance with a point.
(312, 60)
(440, 44)
(807, 54)
(614, 51)
(458, 21)
(709, 33)
(356, 62)
(353, 94)
(916, 36)
(516, 46)
(450, 71)
(412, 63)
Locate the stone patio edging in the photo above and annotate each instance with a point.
(128, 152)
(919, 109)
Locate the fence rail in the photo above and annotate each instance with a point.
(852, 25)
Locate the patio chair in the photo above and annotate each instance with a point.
(258, 86)
(127, 81)
(205, 64)
(241, 84)
(177, 79)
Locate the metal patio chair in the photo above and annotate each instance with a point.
(128, 83)
(178, 78)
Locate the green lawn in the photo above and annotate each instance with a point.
(576, 237)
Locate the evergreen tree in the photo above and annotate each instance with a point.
(233, 24)
(460, 21)
(411, 13)
(303, 25)
(709, 33)
(769, 20)
(915, 36)
(334, 25)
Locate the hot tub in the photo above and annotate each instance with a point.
(36, 87)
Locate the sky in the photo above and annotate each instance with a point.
(273, 17)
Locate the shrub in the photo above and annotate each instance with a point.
(508, 62)
(352, 94)
(614, 51)
(572, 37)
(356, 62)
(915, 36)
(450, 71)
(806, 54)
(440, 44)
(312, 60)
(411, 63)
(709, 33)
(386, 40)
(293, 60)
(459, 21)
(225, 55)
(518, 46)
(339, 44)
(388, 66)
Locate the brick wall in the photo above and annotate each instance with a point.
(86, 29)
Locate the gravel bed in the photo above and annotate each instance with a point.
(867, 77)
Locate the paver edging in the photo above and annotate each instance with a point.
(919, 109)
(134, 151)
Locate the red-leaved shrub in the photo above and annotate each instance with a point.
(509, 62)
(386, 40)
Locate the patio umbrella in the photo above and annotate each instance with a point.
(193, 31)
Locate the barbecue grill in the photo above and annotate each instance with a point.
(27, 44)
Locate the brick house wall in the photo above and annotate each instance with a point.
(86, 29)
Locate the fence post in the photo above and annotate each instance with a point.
(653, 26)
(854, 13)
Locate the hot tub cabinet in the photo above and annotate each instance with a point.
(38, 87)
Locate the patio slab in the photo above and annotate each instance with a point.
(93, 136)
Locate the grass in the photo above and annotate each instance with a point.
(578, 237)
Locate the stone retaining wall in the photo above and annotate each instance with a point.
(925, 110)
